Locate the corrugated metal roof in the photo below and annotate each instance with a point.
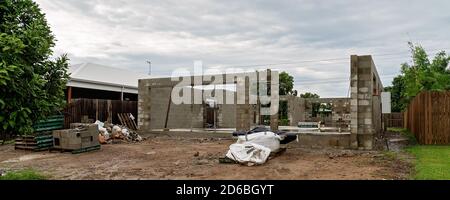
(99, 77)
(112, 76)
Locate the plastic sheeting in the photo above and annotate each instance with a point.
(254, 148)
(250, 153)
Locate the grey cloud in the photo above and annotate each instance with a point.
(174, 33)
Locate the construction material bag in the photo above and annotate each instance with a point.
(254, 148)
(248, 153)
(267, 139)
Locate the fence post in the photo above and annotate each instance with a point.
(96, 109)
(109, 111)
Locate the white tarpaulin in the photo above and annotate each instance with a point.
(254, 148)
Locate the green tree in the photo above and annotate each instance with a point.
(31, 84)
(419, 75)
(424, 74)
(309, 95)
(397, 89)
(286, 88)
(286, 84)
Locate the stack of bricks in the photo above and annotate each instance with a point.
(82, 136)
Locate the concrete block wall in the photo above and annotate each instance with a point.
(226, 113)
(365, 105)
(243, 111)
(226, 116)
(340, 141)
(154, 98)
(340, 110)
(296, 109)
(185, 116)
(144, 104)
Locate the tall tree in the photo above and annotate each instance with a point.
(424, 74)
(399, 102)
(419, 75)
(286, 88)
(286, 83)
(31, 84)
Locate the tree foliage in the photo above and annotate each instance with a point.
(32, 85)
(398, 99)
(308, 95)
(420, 75)
(286, 84)
(286, 88)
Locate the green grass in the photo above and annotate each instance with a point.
(390, 155)
(432, 162)
(7, 142)
(27, 174)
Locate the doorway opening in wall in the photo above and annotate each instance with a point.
(218, 105)
(210, 117)
(283, 114)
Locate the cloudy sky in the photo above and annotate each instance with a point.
(312, 40)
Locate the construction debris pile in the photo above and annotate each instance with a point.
(108, 132)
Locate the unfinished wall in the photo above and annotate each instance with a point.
(296, 109)
(226, 113)
(365, 102)
(154, 102)
(226, 116)
(323, 140)
(341, 112)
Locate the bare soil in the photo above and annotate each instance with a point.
(169, 157)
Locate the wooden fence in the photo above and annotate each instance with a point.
(428, 117)
(97, 109)
(393, 120)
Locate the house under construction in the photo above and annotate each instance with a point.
(346, 122)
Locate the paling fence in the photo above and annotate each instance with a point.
(393, 120)
(428, 117)
(97, 109)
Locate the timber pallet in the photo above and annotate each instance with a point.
(34, 143)
(77, 151)
(125, 120)
(51, 123)
(87, 149)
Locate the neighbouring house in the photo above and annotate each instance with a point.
(93, 81)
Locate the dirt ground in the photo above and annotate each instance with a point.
(169, 157)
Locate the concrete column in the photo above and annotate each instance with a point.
(243, 110)
(274, 97)
(144, 105)
(354, 102)
(362, 102)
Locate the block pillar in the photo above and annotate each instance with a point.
(243, 115)
(362, 74)
(354, 102)
(273, 77)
